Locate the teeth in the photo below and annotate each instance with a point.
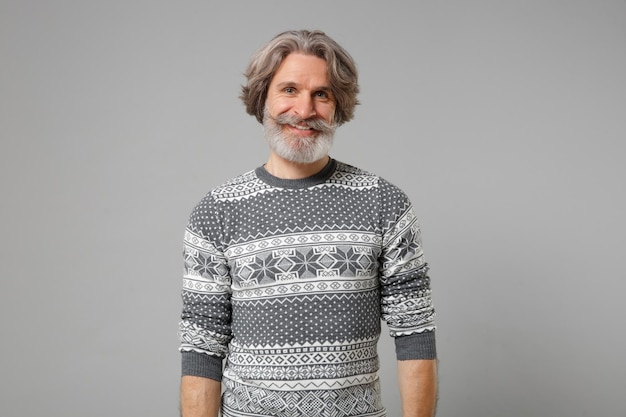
(301, 127)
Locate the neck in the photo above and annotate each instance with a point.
(288, 170)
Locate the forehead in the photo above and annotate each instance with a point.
(301, 68)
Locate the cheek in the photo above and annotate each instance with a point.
(277, 106)
(327, 112)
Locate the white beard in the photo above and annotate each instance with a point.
(294, 148)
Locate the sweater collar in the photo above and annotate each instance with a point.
(314, 179)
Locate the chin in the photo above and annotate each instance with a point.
(313, 153)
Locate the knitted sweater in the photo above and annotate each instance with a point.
(289, 279)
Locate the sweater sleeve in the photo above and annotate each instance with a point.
(406, 302)
(204, 329)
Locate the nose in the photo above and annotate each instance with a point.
(304, 106)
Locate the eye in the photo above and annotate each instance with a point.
(289, 90)
(321, 94)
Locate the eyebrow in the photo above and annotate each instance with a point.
(294, 84)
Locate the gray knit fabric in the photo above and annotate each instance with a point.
(289, 280)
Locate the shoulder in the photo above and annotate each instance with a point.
(238, 188)
(234, 185)
(393, 202)
(349, 173)
(347, 169)
(350, 176)
(206, 211)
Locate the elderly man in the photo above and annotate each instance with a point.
(290, 267)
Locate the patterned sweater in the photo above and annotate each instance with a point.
(289, 279)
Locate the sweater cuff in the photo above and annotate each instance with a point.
(202, 364)
(416, 346)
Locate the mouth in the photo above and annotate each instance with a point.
(299, 127)
(299, 130)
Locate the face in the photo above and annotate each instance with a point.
(299, 110)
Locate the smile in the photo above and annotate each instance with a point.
(301, 127)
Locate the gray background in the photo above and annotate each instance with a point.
(504, 121)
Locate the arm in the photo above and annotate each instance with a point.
(407, 307)
(199, 396)
(417, 381)
(406, 301)
(204, 329)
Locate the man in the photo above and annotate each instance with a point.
(289, 267)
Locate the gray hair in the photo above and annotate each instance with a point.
(342, 72)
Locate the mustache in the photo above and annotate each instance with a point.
(317, 124)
